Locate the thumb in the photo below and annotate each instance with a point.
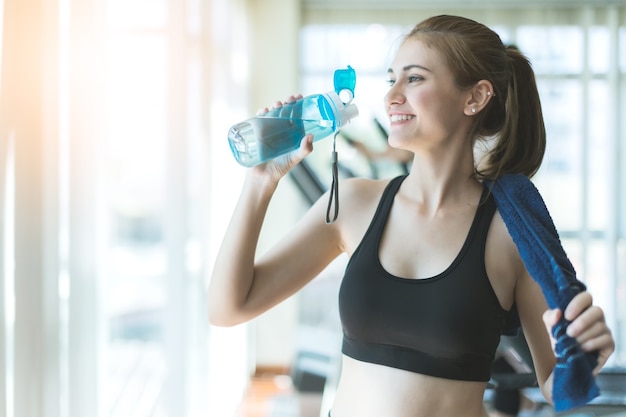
(550, 318)
(306, 147)
(307, 143)
(293, 158)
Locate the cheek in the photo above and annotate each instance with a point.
(430, 100)
(429, 107)
(437, 108)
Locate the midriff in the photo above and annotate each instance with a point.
(371, 390)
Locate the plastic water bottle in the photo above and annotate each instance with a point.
(281, 130)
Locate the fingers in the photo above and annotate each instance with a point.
(577, 305)
(278, 104)
(263, 110)
(279, 166)
(604, 353)
(587, 321)
(591, 332)
(587, 325)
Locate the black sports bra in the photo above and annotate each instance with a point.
(446, 326)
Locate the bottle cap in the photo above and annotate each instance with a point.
(344, 111)
(347, 112)
(345, 81)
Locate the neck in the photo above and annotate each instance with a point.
(439, 181)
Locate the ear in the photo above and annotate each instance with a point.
(479, 95)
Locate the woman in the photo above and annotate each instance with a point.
(432, 270)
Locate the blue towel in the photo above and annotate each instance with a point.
(530, 225)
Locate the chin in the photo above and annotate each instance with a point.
(399, 142)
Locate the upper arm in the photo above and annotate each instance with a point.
(304, 252)
(515, 284)
(312, 244)
(294, 260)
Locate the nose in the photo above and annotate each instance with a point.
(394, 95)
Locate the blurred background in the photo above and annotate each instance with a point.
(116, 183)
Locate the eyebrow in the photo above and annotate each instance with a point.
(408, 67)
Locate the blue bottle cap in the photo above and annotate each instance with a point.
(345, 79)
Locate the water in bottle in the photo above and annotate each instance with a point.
(281, 130)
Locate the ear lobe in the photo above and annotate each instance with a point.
(480, 95)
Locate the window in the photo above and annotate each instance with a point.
(155, 339)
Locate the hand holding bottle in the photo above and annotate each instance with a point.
(278, 167)
(278, 131)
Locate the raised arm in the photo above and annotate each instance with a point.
(242, 287)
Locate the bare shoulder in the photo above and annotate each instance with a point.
(358, 200)
(362, 189)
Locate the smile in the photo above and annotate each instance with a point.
(400, 117)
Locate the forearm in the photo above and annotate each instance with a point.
(233, 272)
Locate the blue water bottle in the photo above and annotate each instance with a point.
(280, 130)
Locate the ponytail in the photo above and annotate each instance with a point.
(521, 142)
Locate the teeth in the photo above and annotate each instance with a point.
(400, 117)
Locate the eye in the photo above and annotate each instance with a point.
(391, 82)
(414, 78)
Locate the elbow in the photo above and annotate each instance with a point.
(547, 395)
(221, 322)
(545, 386)
(220, 313)
(216, 320)
(227, 311)
(223, 319)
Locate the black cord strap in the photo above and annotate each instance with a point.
(334, 188)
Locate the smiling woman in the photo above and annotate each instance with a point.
(115, 180)
(579, 178)
(432, 241)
